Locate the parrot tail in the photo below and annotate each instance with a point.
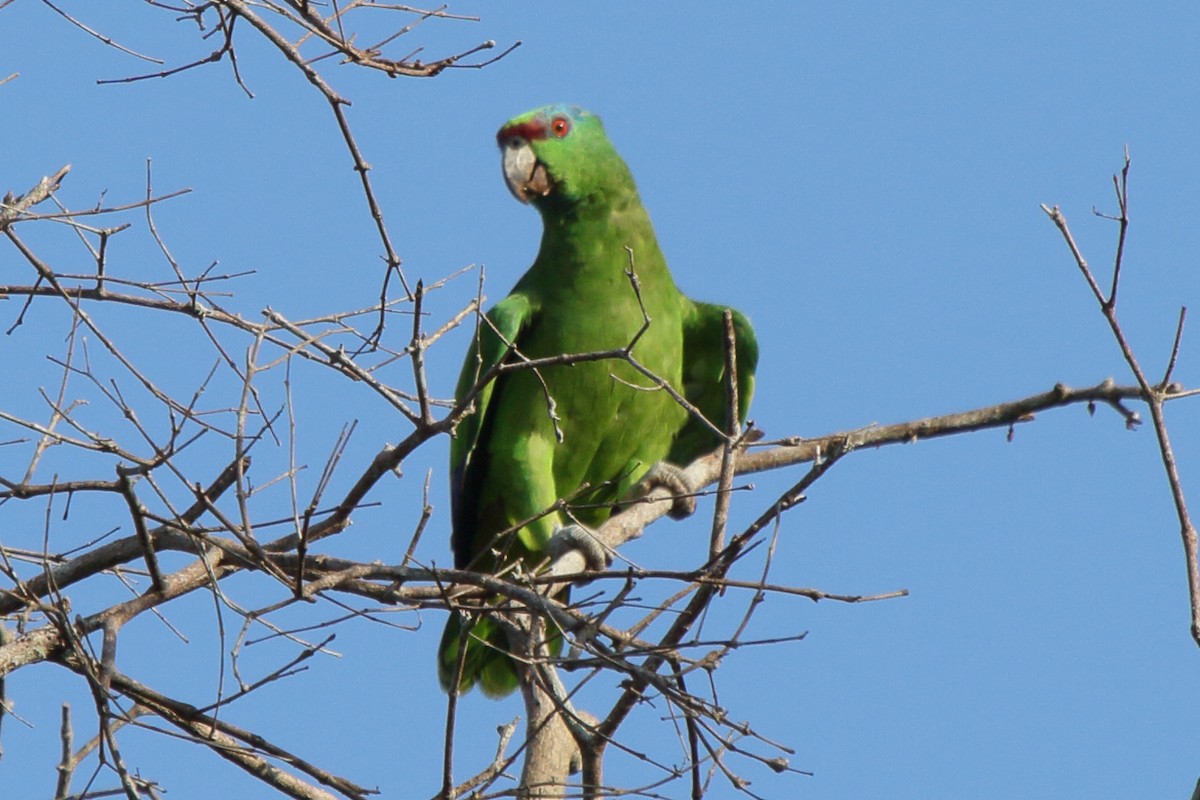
(486, 663)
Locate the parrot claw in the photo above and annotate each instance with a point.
(577, 537)
(671, 478)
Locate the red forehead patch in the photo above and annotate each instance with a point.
(531, 130)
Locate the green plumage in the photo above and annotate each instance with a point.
(508, 462)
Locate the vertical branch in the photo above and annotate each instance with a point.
(417, 347)
(732, 426)
(5, 637)
(60, 407)
(1154, 396)
(293, 493)
(1166, 379)
(451, 717)
(549, 747)
(66, 766)
(460, 663)
(1187, 529)
(426, 513)
(1121, 187)
(138, 513)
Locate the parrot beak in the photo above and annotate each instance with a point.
(525, 175)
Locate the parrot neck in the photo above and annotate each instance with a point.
(587, 246)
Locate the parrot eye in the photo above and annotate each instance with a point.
(560, 126)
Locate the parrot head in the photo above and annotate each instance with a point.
(559, 155)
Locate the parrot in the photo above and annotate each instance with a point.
(590, 433)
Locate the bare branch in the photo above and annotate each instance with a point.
(12, 208)
(1155, 396)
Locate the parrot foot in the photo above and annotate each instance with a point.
(577, 537)
(671, 478)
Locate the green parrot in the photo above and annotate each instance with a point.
(591, 431)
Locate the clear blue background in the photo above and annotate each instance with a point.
(863, 181)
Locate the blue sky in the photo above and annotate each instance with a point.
(863, 181)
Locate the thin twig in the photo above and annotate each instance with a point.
(1154, 396)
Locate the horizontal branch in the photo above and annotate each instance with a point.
(224, 556)
(705, 471)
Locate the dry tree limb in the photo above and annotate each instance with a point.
(100, 36)
(13, 207)
(486, 777)
(729, 446)
(626, 525)
(630, 523)
(67, 764)
(231, 556)
(241, 747)
(1155, 395)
